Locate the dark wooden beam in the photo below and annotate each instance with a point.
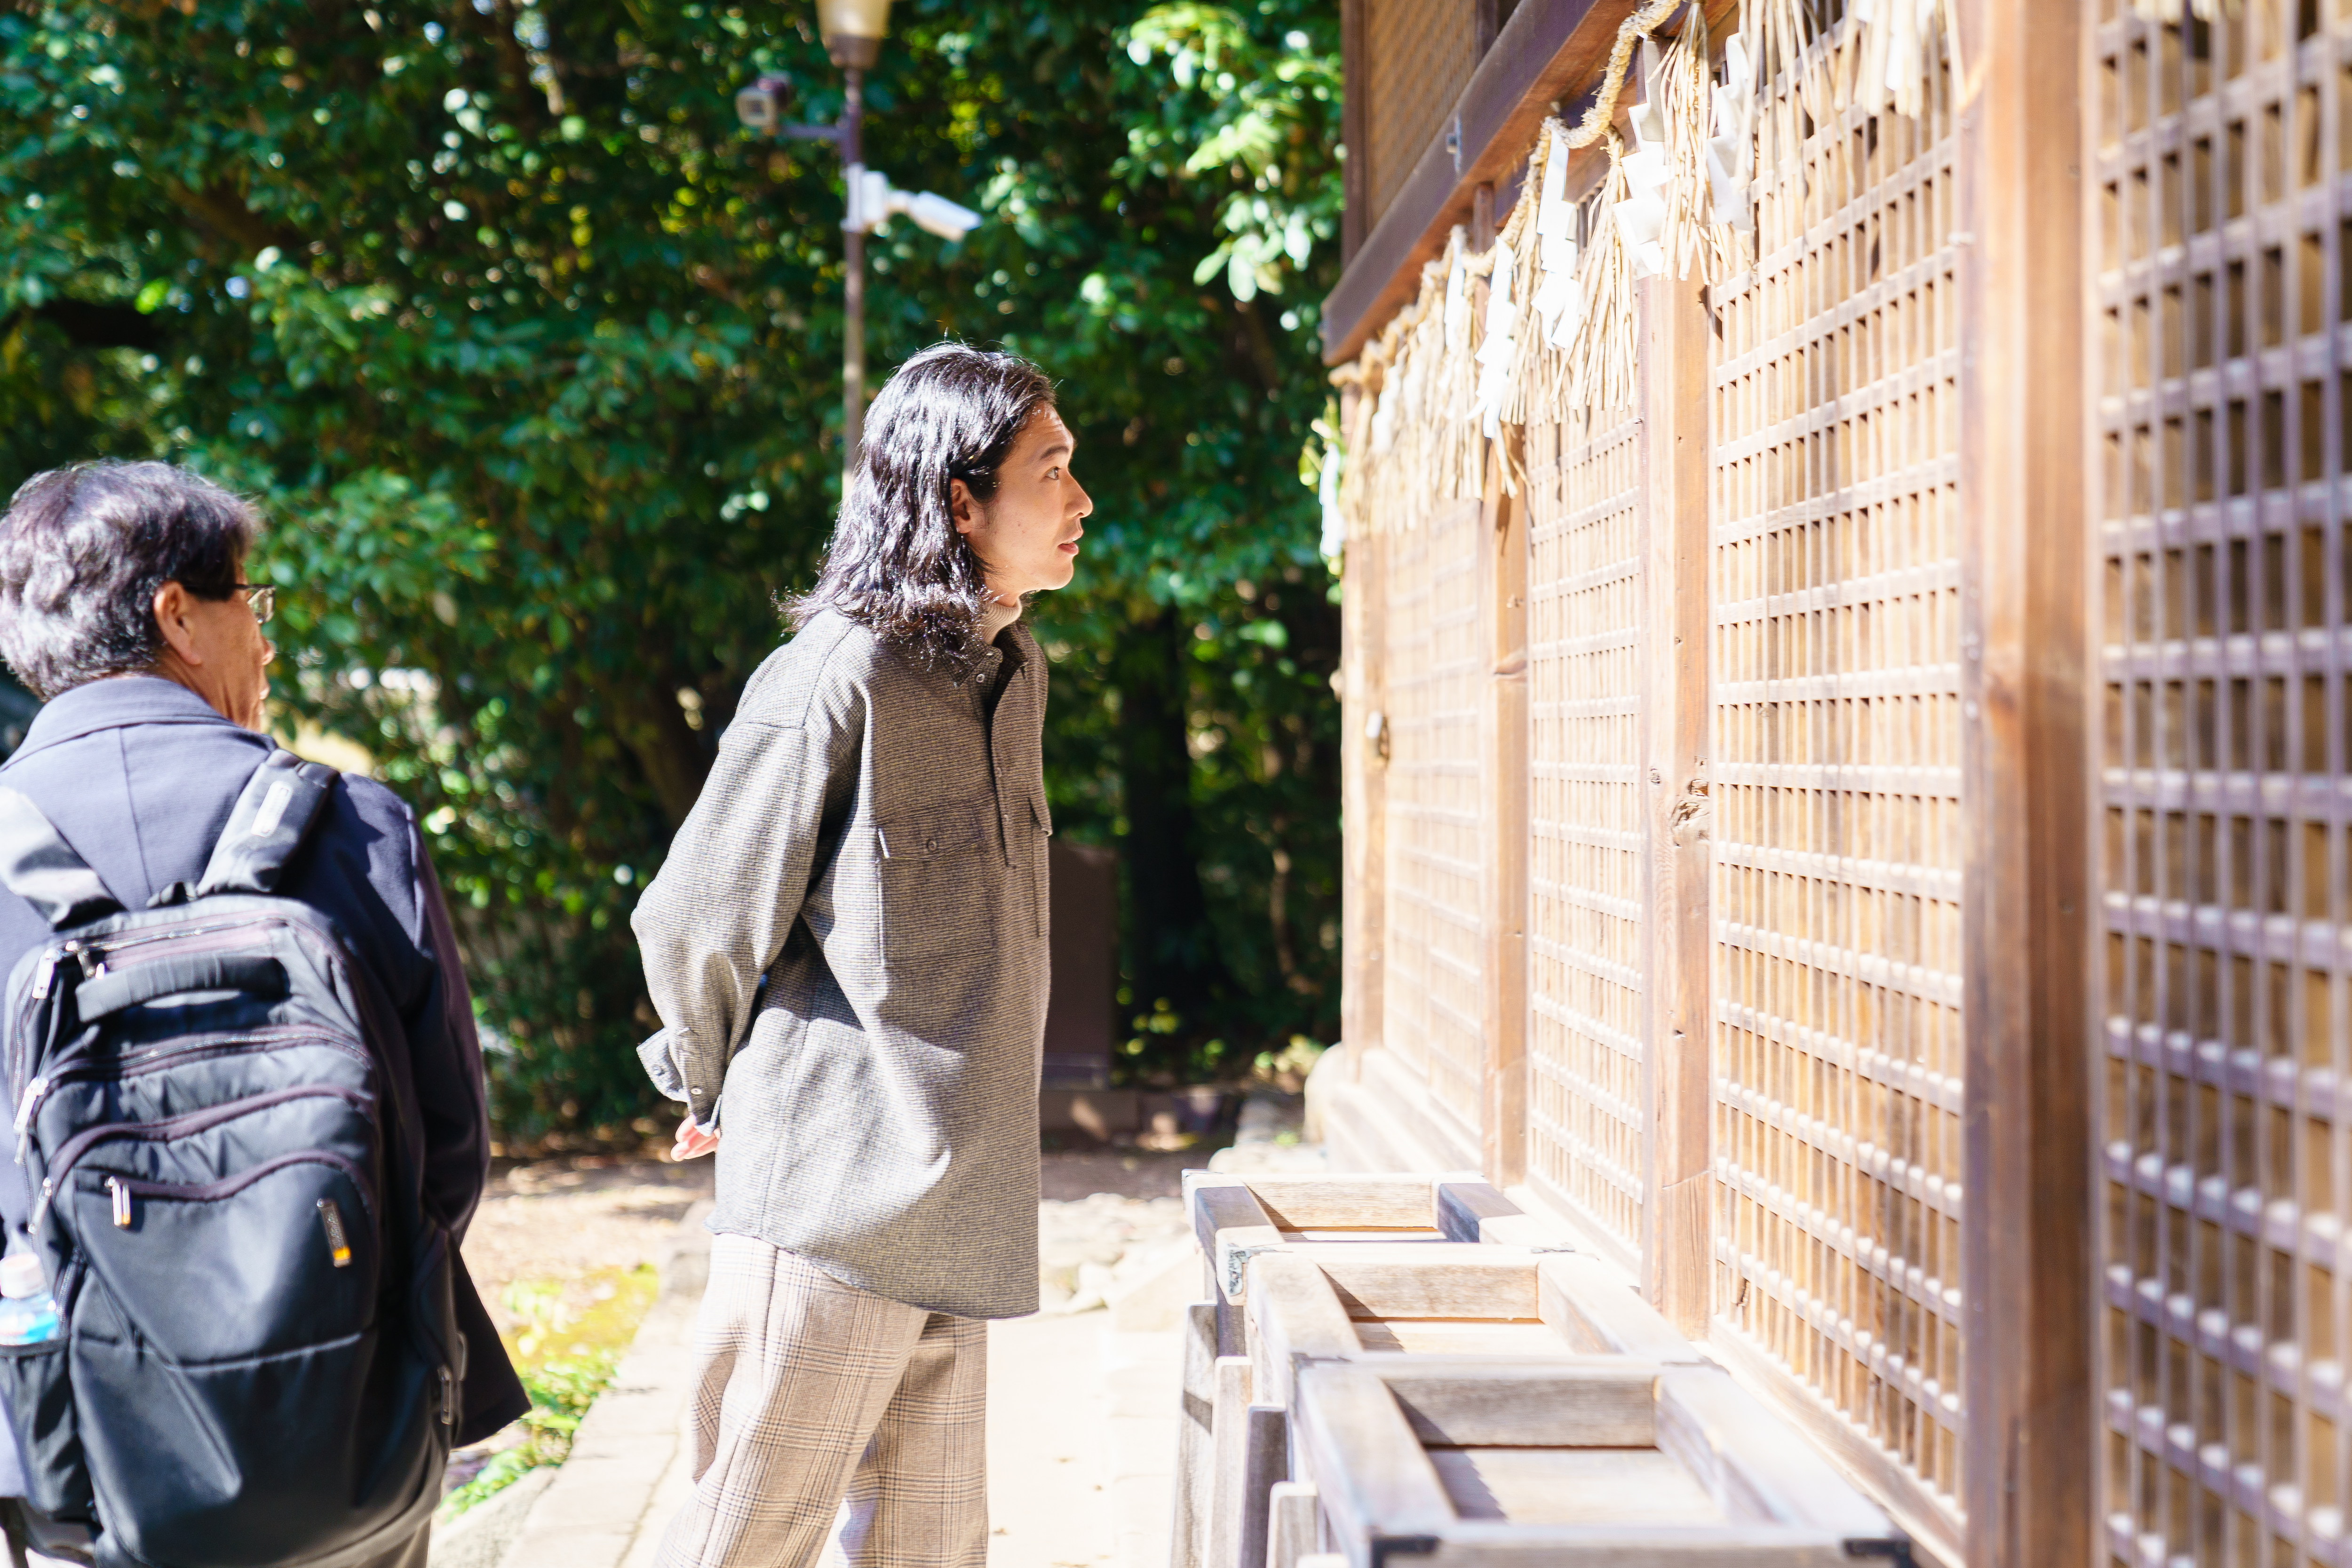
(1354, 188)
(1546, 51)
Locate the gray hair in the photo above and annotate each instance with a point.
(83, 551)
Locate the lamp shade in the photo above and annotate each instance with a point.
(852, 30)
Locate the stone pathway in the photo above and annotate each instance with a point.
(1082, 1410)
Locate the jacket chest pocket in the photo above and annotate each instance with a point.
(940, 879)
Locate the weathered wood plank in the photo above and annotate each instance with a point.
(1363, 771)
(1266, 1463)
(1293, 1518)
(1483, 1544)
(1432, 1279)
(1572, 1486)
(1379, 1490)
(1606, 1405)
(1677, 1221)
(1582, 1300)
(1194, 1449)
(1913, 1508)
(1503, 829)
(1464, 1206)
(1230, 1447)
(2029, 1480)
(1755, 1465)
(1347, 1203)
(1522, 1230)
(1221, 1203)
(1295, 1313)
(1294, 1316)
(1231, 1226)
(1458, 1336)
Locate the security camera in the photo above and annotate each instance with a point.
(761, 106)
(873, 201)
(939, 215)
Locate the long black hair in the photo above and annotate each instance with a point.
(896, 563)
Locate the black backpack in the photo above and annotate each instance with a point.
(259, 1362)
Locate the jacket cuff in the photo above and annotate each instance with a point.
(655, 1054)
(660, 1054)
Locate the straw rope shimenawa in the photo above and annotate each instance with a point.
(1558, 333)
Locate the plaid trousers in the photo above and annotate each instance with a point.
(817, 1404)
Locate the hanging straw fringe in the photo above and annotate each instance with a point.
(1558, 337)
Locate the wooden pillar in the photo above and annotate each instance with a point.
(1674, 405)
(1504, 844)
(2024, 830)
(1364, 782)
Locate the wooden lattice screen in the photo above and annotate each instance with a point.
(1836, 786)
(1435, 923)
(1586, 1026)
(1419, 53)
(2221, 296)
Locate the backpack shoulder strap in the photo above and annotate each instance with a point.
(39, 867)
(266, 825)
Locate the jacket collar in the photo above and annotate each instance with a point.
(112, 703)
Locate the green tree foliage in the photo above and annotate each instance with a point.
(531, 354)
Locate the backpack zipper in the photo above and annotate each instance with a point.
(124, 1189)
(173, 1127)
(41, 1085)
(77, 947)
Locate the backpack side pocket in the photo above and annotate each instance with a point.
(433, 1324)
(38, 1389)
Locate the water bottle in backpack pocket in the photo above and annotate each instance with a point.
(255, 1361)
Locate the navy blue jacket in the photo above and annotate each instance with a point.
(139, 774)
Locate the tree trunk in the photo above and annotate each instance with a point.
(649, 722)
(1173, 952)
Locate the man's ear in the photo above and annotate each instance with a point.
(963, 509)
(172, 604)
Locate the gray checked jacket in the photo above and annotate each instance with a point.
(848, 948)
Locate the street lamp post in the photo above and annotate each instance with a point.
(852, 31)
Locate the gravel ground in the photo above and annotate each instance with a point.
(566, 1218)
(1109, 1217)
(569, 1217)
(1131, 1172)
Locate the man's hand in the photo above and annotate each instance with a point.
(693, 1143)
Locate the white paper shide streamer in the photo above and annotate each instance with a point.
(1691, 177)
(1642, 214)
(1731, 151)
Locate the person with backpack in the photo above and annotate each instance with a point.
(241, 1066)
(848, 948)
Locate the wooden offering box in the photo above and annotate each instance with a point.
(1315, 1303)
(1583, 1462)
(1236, 1217)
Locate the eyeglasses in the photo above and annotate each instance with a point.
(261, 599)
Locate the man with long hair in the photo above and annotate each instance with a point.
(847, 947)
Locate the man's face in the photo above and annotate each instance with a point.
(1026, 534)
(216, 648)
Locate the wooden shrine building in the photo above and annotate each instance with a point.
(1849, 691)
